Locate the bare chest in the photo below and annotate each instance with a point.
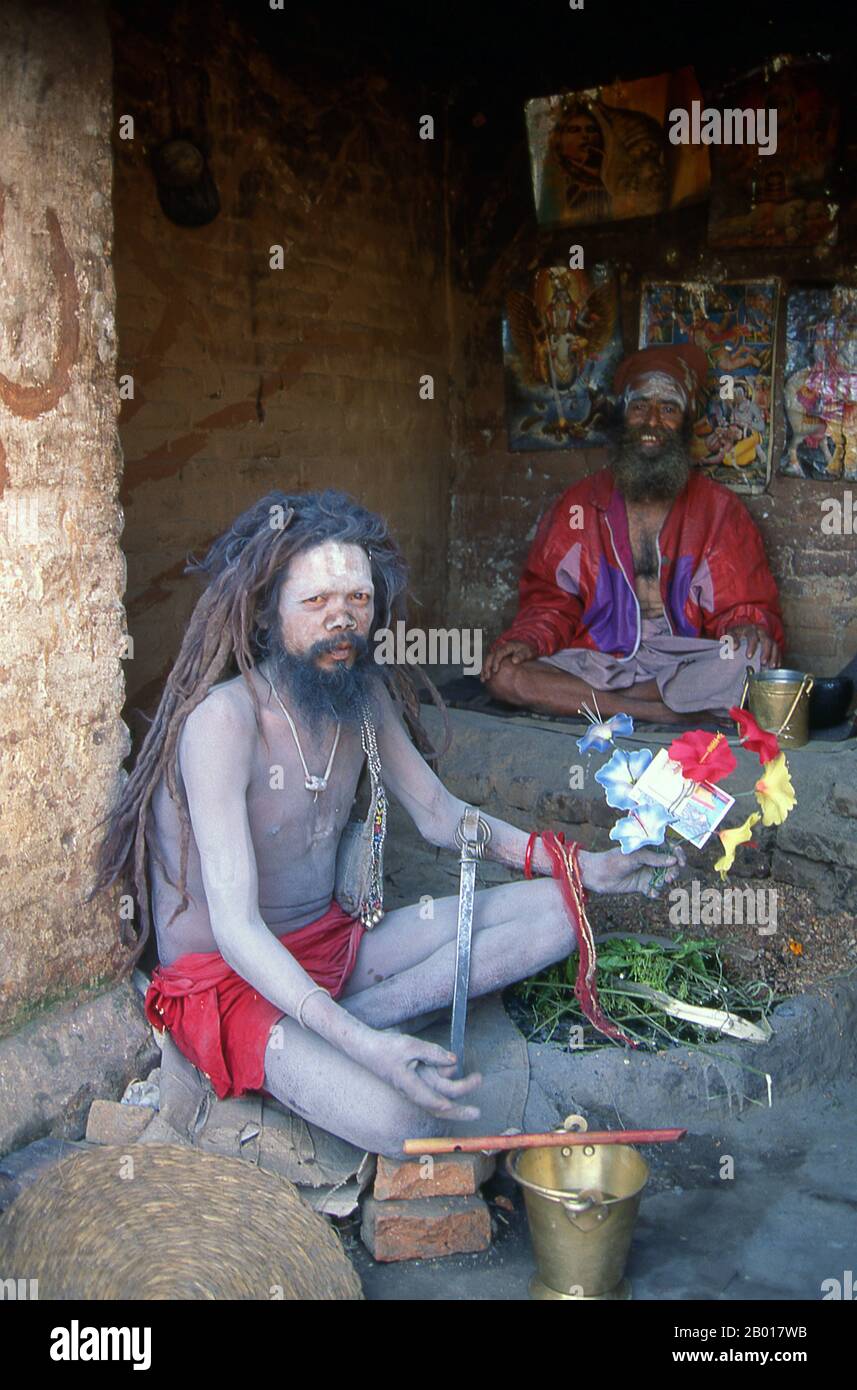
(289, 820)
(644, 528)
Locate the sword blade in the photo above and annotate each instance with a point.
(462, 961)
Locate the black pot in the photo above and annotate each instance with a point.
(829, 700)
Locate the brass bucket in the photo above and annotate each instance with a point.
(581, 1202)
(779, 702)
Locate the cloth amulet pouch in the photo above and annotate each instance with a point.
(359, 883)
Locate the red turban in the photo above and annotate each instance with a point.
(686, 364)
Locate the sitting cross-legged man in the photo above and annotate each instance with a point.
(647, 580)
(234, 812)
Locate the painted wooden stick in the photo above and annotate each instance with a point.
(555, 1139)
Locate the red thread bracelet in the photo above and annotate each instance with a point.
(531, 844)
(566, 868)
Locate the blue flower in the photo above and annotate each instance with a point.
(647, 825)
(600, 735)
(618, 776)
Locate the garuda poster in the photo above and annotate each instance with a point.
(604, 154)
(783, 197)
(734, 323)
(561, 344)
(820, 387)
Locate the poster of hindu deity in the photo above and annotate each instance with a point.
(605, 154)
(820, 388)
(776, 191)
(561, 343)
(734, 323)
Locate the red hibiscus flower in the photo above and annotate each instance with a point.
(703, 757)
(754, 738)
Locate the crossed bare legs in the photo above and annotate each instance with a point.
(405, 967)
(538, 686)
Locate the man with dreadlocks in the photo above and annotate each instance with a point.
(233, 815)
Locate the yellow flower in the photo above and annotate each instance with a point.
(731, 839)
(795, 947)
(774, 791)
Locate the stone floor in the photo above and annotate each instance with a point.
(783, 1225)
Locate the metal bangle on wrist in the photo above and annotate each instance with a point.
(316, 989)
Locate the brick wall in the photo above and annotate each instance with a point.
(248, 378)
(499, 495)
(61, 572)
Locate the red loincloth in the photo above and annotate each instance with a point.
(221, 1023)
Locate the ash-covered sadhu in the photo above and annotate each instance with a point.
(234, 813)
(638, 573)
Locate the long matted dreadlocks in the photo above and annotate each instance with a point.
(228, 634)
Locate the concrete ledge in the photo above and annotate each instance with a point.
(56, 1065)
(814, 1043)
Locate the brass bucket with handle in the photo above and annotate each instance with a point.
(581, 1202)
(779, 702)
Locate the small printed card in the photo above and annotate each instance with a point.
(698, 807)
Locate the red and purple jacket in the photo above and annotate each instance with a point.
(577, 589)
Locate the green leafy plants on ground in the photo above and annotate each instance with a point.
(688, 970)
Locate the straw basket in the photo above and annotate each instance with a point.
(163, 1222)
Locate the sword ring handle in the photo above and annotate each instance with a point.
(472, 833)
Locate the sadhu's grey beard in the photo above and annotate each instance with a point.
(318, 695)
(650, 479)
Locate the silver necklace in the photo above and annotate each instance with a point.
(311, 781)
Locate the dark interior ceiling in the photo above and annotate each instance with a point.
(542, 46)
(486, 61)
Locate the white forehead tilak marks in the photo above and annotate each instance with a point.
(329, 565)
(655, 386)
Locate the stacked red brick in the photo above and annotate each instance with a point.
(426, 1207)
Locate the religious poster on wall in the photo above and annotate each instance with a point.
(605, 154)
(820, 387)
(734, 322)
(562, 342)
(773, 162)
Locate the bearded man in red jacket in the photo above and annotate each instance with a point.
(647, 581)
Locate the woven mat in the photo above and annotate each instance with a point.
(167, 1223)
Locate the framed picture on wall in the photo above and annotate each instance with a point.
(776, 190)
(820, 386)
(734, 322)
(604, 154)
(561, 343)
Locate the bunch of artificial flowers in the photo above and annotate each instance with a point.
(683, 790)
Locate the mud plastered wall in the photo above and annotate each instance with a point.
(61, 568)
(248, 378)
(498, 495)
